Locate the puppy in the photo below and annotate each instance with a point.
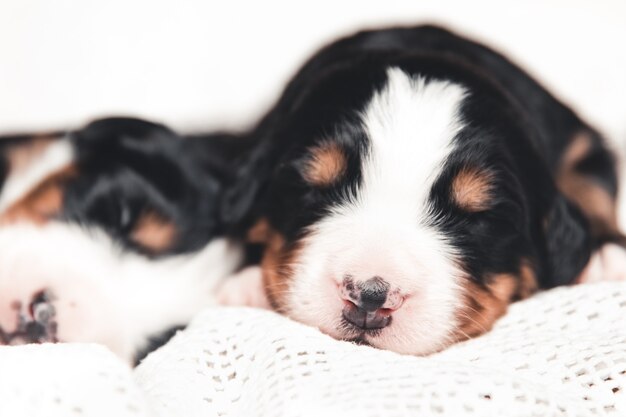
(410, 184)
(109, 234)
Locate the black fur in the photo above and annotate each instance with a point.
(125, 167)
(128, 167)
(514, 129)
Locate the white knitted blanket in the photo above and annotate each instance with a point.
(560, 353)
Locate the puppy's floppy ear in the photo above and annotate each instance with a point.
(239, 162)
(240, 203)
(568, 242)
(261, 155)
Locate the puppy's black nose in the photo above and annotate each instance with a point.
(366, 303)
(373, 294)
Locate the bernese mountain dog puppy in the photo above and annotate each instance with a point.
(110, 234)
(410, 184)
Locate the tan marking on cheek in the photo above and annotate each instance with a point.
(43, 202)
(326, 165)
(21, 155)
(503, 287)
(471, 189)
(485, 304)
(277, 266)
(482, 308)
(154, 232)
(598, 205)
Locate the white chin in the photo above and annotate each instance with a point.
(385, 340)
(390, 338)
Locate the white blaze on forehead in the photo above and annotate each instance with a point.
(53, 158)
(411, 124)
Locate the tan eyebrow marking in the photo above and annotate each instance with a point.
(326, 165)
(472, 189)
(154, 232)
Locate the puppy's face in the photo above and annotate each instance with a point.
(106, 236)
(403, 220)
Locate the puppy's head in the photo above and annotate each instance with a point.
(406, 208)
(94, 227)
(130, 177)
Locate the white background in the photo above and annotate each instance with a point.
(219, 64)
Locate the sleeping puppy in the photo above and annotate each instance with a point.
(410, 184)
(109, 234)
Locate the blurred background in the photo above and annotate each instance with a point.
(199, 65)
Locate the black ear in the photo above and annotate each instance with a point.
(568, 242)
(118, 128)
(241, 201)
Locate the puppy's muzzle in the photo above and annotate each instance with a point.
(367, 304)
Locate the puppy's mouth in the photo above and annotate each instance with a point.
(36, 322)
(355, 334)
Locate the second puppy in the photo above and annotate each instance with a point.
(110, 234)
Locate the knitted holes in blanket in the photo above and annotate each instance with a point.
(560, 353)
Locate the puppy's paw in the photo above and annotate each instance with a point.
(606, 264)
(31, 320)
(244, 289)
